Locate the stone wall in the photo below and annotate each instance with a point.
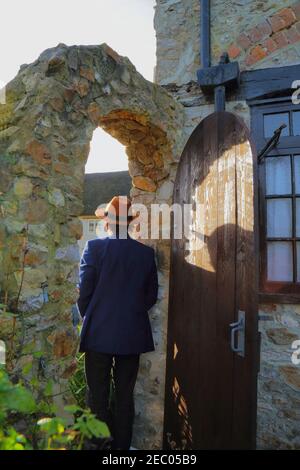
(258, 34)
(279, 380)
(52, 109)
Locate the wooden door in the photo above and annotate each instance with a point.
(210, 396)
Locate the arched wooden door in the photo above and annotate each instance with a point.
(210, 398)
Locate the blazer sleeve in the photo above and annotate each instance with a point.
(87, 279)
(152, 284)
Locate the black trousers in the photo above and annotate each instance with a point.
(124, 368)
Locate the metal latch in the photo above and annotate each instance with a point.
(237, 335)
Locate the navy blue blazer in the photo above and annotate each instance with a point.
(118, 285)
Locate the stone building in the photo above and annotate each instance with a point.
(52, 108)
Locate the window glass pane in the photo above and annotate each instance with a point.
(273, 121)
(279, 217)
(297, 173)
(280, 261)
(91, 226)
(296, 122)
(278, 175)
(298, 261)
(298, 217)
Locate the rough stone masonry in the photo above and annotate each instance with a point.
(52, 109)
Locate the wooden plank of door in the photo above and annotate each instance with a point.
(200, 271)
(225, 232)
(174, 424)
(246, 368)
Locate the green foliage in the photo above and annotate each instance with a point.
(87, 425)
(12, 440)
(42, 432)
(77, 382)
(14, 397)
(53, 433)
(57, 435)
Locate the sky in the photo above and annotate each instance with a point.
(30, 27)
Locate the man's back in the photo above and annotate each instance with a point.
(118, 285)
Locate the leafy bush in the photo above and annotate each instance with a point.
(44, 433)
(15, 399)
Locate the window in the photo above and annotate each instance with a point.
(279, 200)
(91, 226)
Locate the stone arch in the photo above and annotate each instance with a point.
(52, 108)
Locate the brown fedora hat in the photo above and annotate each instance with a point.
(117, 211)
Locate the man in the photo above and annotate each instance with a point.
(118, 285)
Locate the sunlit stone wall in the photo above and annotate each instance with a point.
(258, 34)
(52, 109)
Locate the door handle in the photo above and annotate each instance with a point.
(237, 334)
